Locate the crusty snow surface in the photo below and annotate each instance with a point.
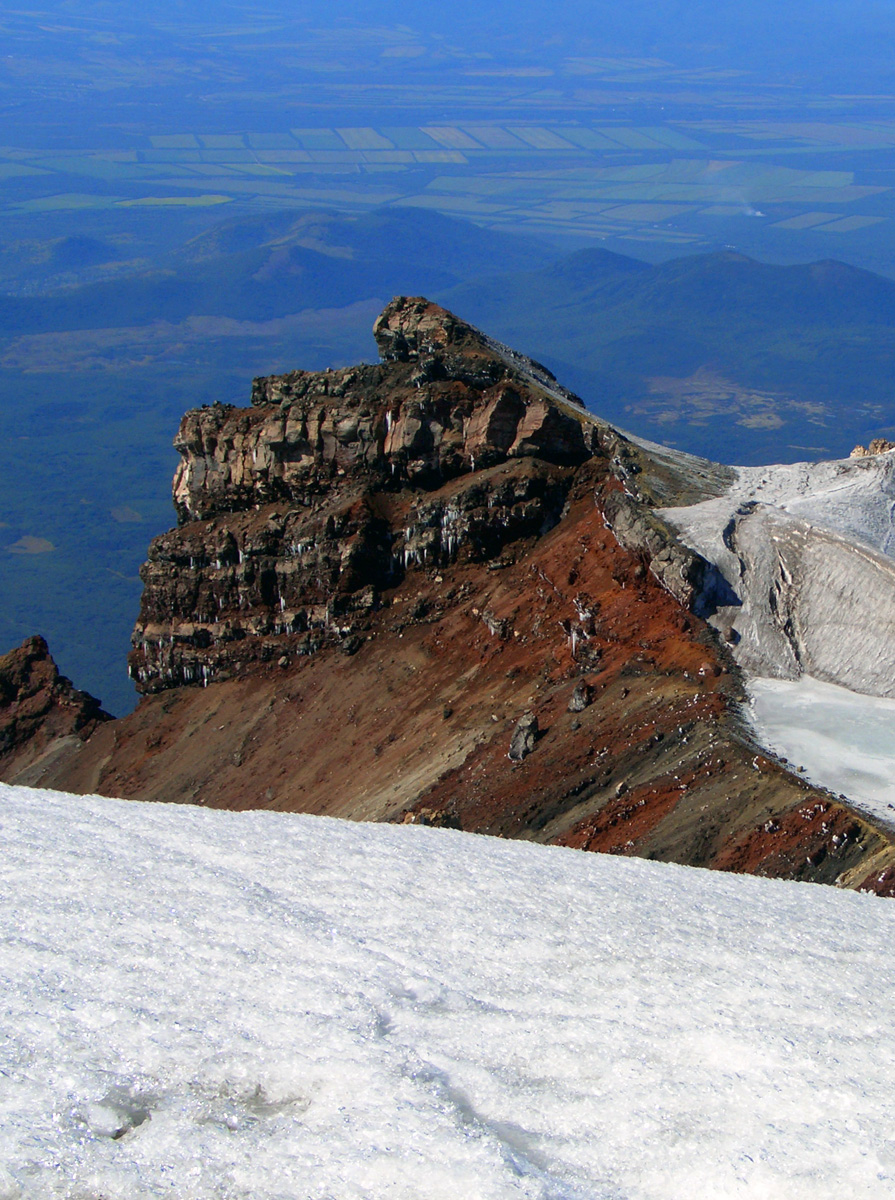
(203, 1004)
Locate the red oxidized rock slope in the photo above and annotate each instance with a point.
(379, 571)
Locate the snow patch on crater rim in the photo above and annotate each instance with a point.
(809, 550)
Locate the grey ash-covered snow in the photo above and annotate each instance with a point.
(807, 550)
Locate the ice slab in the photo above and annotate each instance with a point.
(854, 497)
(844, 740)
(215, 1006)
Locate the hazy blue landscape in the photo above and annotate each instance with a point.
(199, 194)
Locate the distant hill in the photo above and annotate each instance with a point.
(78, 251)
(258, 269)
(718, 354)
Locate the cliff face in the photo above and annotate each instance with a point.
(436, 589)
(296, 514)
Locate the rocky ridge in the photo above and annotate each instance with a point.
(437, 589)
(296, 514)
(876, 446)
(41, 712)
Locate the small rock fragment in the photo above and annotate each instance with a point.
(438, 818)
(497, 626)
(581, 696)
(524, 737)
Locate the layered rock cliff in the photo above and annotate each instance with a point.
(385, 578)
(295, 515)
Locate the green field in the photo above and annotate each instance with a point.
(556, 175)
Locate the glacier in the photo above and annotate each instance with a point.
(206, 1005)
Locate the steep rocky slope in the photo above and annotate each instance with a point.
(436, 589)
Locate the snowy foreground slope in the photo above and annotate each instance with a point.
(214, 1005)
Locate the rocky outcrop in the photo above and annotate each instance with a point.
(297, 513)
(525, 737)
(436, 590)
(693, 582)
(877, 446)
(40, 710)
(443, 402)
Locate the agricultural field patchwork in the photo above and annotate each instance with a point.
(574, 178)
(290, 109)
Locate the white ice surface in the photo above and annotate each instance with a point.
(854, 497)
(293, 1008)
(808, 550)
(845, 741)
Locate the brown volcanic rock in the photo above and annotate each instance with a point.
(419, 719)
(380, 571)
(525, 737)
(39, 708)
(296, 513)
(877, 446)
(444, 401)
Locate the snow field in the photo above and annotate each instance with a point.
(204, 1005)
(807, 549)
(844, 740)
